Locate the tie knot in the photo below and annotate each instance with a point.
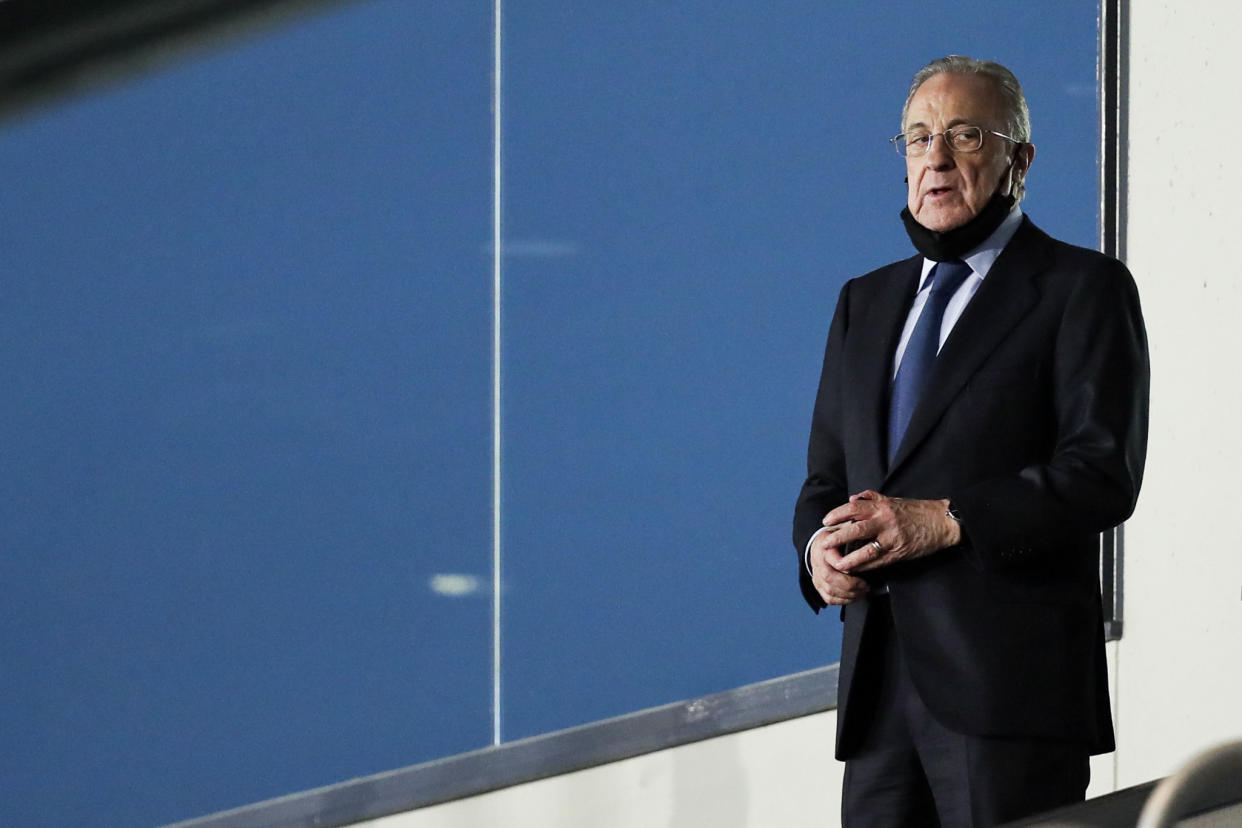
(948, 276)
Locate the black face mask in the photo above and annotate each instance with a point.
(951, 244)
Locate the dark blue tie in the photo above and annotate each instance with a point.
(920, 355)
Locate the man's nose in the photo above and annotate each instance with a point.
(939, 156)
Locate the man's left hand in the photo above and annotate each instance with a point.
(904, 529)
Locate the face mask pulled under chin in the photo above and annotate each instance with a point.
(953, 244)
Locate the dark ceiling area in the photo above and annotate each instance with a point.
(50, 48)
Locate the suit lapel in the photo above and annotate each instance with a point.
(1006, 295)
(870, 362)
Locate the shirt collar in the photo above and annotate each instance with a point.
(984, 256)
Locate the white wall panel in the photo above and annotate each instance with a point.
(1179, 676)
(774, 775)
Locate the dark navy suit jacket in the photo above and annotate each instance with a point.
(1035, 426)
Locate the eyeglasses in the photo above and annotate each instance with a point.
(962, 138)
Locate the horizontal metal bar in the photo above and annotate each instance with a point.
(540, 757)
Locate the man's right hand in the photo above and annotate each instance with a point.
(834, 586)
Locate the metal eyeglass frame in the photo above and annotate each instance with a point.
(902, 147)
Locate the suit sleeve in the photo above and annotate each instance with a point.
(1099, 405)
(824, 488)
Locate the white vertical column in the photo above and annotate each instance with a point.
(496, 371)
(1179, 671)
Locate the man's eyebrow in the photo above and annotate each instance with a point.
(949, 125)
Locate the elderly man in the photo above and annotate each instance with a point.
(981, 417)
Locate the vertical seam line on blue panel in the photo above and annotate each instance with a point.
(496, 375)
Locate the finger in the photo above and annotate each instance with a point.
(832, 556)
(868, 556)
(819, 568)
(867, 494)
(823, 562)
(848, 533)
(837, 589)
(861, 564)
(842, 514)
(832, 580)
(820, 582)
(855, 588)
(860, 509)
(849, 586)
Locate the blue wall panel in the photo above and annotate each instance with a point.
(246, 332)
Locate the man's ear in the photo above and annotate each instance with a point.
(1019, 165)
(1023, 158)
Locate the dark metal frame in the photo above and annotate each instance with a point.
(1114, 95)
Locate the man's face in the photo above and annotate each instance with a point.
(948, 190)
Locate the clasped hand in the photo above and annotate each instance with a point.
(903, 529)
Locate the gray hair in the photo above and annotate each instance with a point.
(1013, 100)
